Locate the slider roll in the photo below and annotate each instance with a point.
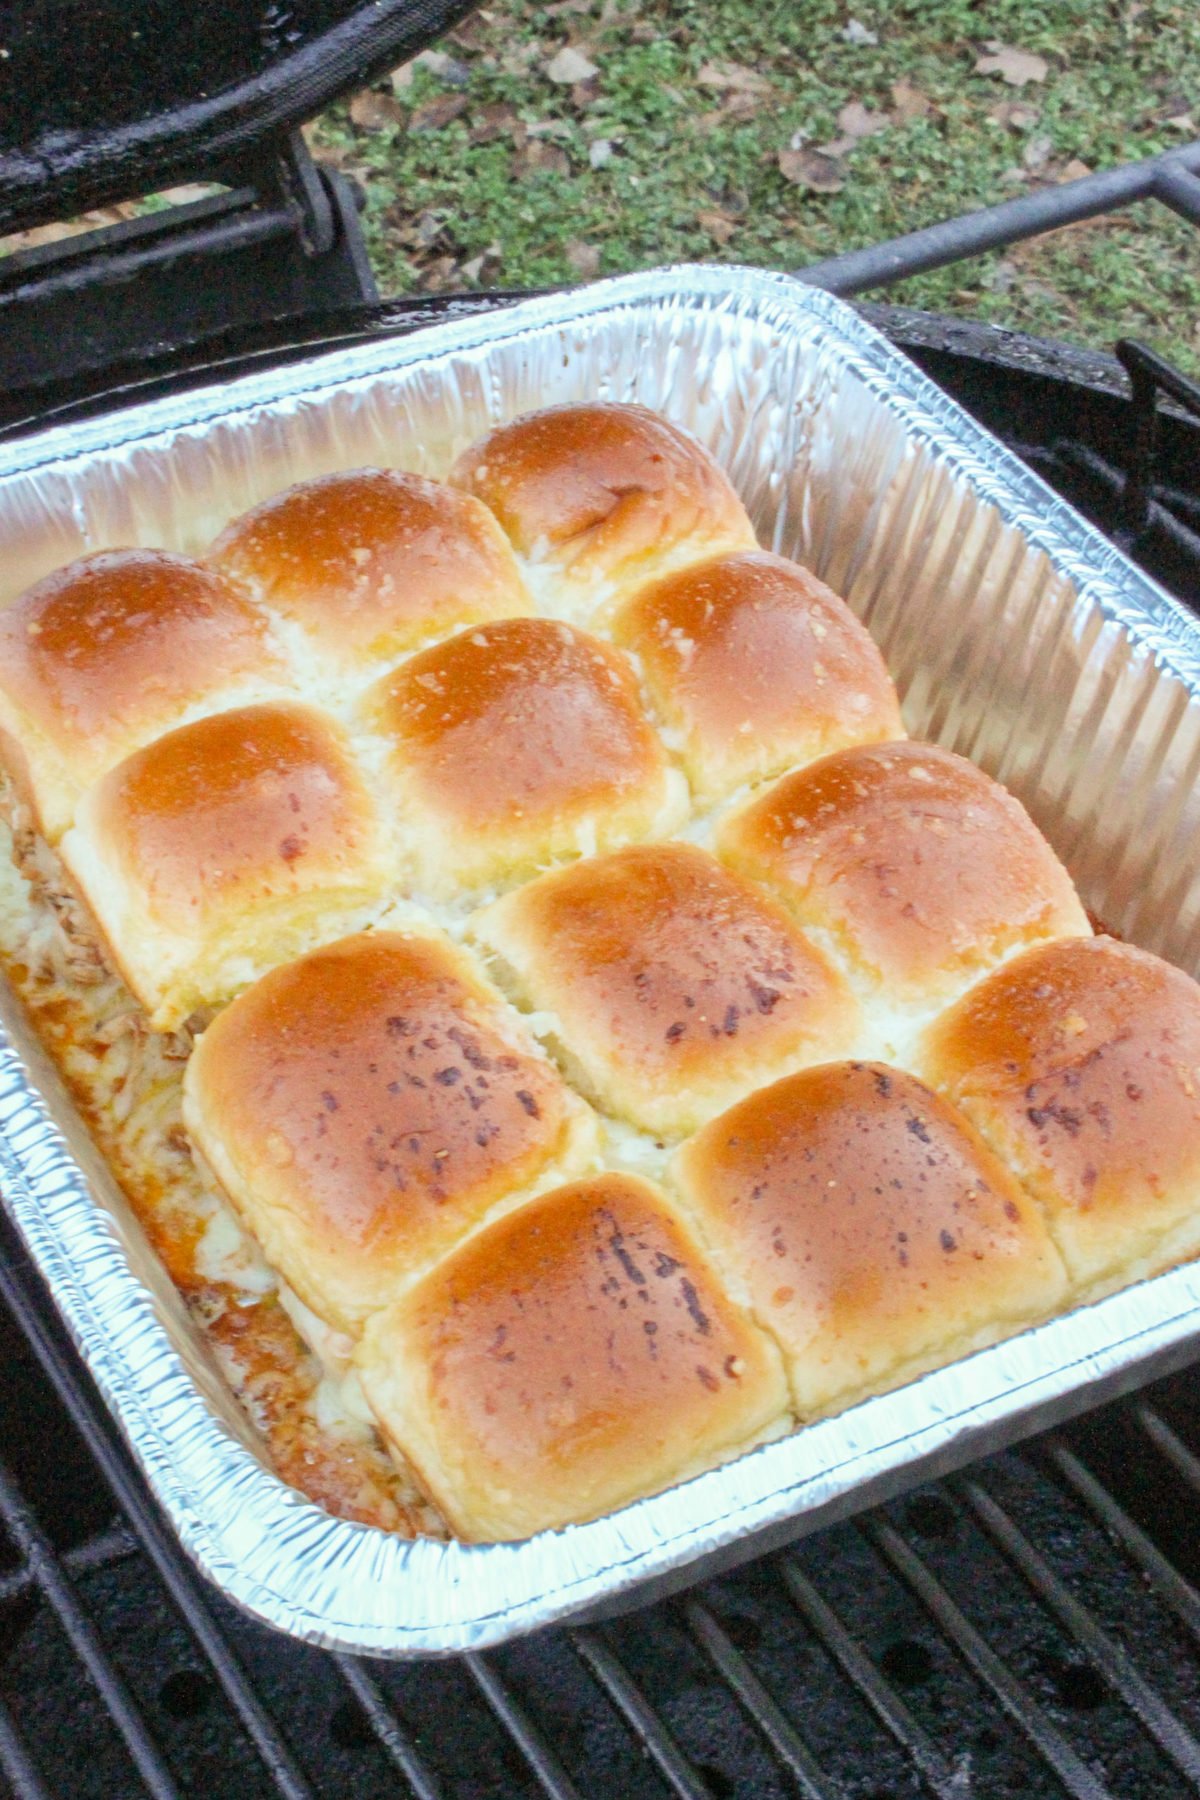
(516, 745)
(756, 666)
(105, 654)
(599, 498)
(573, 1356)
(370, 563)
(367, 1105)
(223, 848)
(876, 1234)
(1080, 1063)
(674, 986)
(922, 869)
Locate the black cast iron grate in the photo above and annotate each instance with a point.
(1031, 1628)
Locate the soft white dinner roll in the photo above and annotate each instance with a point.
(674, 986)
(569, 1358)
(107, 653)
(223, 848)
(372, 562)
(366, 1105)
(597, 498)
(757, 666)
(1080, 1063)
(924, 870)
(515, 745)
(875, 1232)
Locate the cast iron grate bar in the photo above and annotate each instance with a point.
(1108, 1659)
(19, 1772)
(170, 1563)
(1021, 1707)
(878, 1694)
(48, 1574)
(1178, 1592)
(763, 1709)
(98, 1552)
(387, 1728)
(638, 1713)
(521, 1729)
(1171, 1446)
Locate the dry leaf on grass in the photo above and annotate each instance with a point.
(739, 106)
(569, 66)
(375, 112)
(495, 120)
(909, 102)
(584, 259)
(189, 192)
(1037, 152)
(431, 115)
(732, 78)
(812, 170)
(1016, 115)
(59, 229)
(719, 226)
(444, 68)
(483, 267)
(538, 155)
(1016, 67)
(439, 275)
(858, 121)
(1076, 170)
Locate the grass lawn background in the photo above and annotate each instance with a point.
(546, 144)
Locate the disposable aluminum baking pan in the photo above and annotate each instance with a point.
(1016, 635)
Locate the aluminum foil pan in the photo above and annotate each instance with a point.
(1016, 635)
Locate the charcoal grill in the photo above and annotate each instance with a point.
(1031, 1627)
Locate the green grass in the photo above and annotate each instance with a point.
(694, 171)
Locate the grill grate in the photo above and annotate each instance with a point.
(1023, 1630)
(1030, 1629)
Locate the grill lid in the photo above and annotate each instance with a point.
(105, 100)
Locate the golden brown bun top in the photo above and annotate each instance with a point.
(252, 800)
(579, 1332)
(851, 1176)
(754, 640)
(921, 859)
(123, 638)
(669, 958)
(1089, 1050)
(374, 560)
(594, 484)
(372, 1077)
(518, 719)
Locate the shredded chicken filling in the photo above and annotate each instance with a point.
(127, 1082)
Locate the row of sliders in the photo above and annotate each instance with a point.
(544, 1338)
(336, 579)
